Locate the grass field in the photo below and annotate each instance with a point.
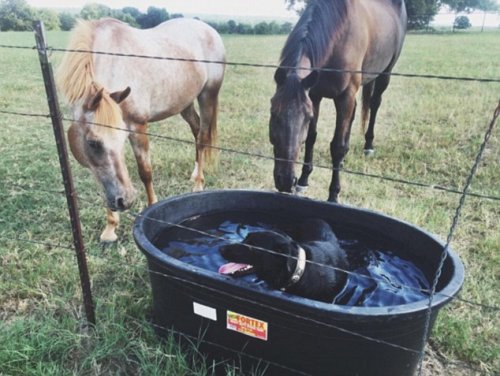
(428, 131)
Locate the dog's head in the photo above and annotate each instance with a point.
(270, 255)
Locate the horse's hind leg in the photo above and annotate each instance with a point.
(140, 145)
(191, 116)
(381, 83)
(307, 167)
(112, 222)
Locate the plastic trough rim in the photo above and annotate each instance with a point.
(210, 278)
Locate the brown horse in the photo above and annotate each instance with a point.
(114, 97)
(336, 46)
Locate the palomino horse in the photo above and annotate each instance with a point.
(114, 97)
(336, 46)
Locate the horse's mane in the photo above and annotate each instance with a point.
(75, 74)
(313, 34)
(76, 79)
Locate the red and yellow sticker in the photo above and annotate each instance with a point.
(247, 325)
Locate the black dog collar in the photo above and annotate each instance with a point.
(299, 269)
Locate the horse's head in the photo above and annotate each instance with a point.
(291, 113)
(97, 137)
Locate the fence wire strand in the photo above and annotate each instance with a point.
(37, 242)
(269, 66)
(19, 113)
(275, 66)
(29, 188)
(299, 163)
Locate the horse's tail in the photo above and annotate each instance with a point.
(210, 151)
(367, 96)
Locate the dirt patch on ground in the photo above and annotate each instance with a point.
(436, 364)
(11, 308)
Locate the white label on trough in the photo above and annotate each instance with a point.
(247, 325)
(205, 311)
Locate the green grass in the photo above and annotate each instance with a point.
(428, 131)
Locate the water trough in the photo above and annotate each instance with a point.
(238, 322)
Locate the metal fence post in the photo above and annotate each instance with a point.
(57, 125)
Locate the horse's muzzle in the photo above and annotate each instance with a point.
(120, 203)
(284, 182)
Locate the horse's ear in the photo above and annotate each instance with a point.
(119, 96)
(94, 103)
(311, 80)
(280, 76)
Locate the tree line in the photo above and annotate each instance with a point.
(421, 12)
(17, 15)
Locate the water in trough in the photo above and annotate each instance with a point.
(378, 277)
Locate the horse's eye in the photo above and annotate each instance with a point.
(275, 119)
(94, 145)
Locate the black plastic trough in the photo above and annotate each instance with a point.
(288, 331)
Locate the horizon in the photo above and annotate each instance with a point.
(255, 8)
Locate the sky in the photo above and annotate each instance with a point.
(267, 8)
(476, 19)
(253, 8)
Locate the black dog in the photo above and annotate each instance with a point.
(285, 267)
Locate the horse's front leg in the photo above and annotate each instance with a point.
(140, 145)
(345, 106)
(112, 222)
(307, 168)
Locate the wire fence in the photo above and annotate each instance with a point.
(462, 192)
(98, 202)
(269, 66)
(433, 186)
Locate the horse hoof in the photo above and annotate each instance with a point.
(108, 238)
(369, 152)
(301, 188)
